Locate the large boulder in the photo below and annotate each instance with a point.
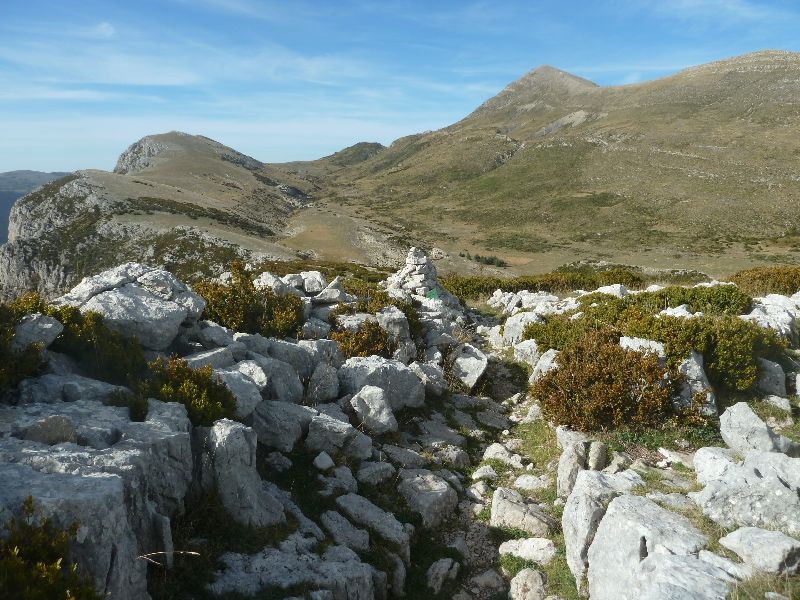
(742, 430)
(371, 406)
(767, 551)
(36, 329)
(283, 382)
(335, 437)
(402, 386)
(515, 326)
(633, 529)
(281, 425)
(511, 509)
(695, 382)
(428, 495)
(136, 300)
(229, 461)
(584, 510)
(468, 364)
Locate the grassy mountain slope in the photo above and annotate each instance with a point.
(696, 169)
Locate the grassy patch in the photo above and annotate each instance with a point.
(511, 565)
(755, 587)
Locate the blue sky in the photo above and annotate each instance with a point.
(82, 79)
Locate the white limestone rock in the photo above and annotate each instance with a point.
(36, 329)
(767, 551)
(281, 425)
(324, 384)
(403, 387)
(428, 495)
(510, 509)
(371, 405)
(742, 430)
(539, 550)
(334, 437)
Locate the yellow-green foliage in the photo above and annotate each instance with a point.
(15, 365)
(467, 287)
(34, 560)
(99, 351)
(768, 280)
(600, 386)
(371, 299)
(205, 397)
(241, 307)
(730, 346)
(369, 339)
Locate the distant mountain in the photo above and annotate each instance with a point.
(696, 170)
(15, 184)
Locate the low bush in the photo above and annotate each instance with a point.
(34, 560)
(761, 281)
(241, 307)
(372, 298)
(600, 386)
(369, 339)
(205, 397)
(15, 365)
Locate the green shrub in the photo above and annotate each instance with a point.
(369, 339)
(135, 403)
(34, 560)
(15, 365)
(241, 307)
(371, 299)
(761, 281)
(600, 386)
(205, 397)
(100, 352)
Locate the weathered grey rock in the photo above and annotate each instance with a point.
(333, 293)
(36, 329)
(218, 358)
(283, 382)
(499, 452)
(484, 472)
(492, 419)
(710, 463)
(527, 352)
(735, 570)
(546, 363)
(489, 580)
(313, 281)
(441, 571)
(539, 550)
(617, 290)
(764, 491)
(315, 329)
(267, 280)
(598, 456)
(363, 512)
(571, 462)
(371, 405)
(400, 383)
(319, 351)
(211, 335)
(51, 430)
(696, 382)
(643, 346)
(294, 280)
(375, 473)
(584, 509)
(528, 584)
(324, 384)
(742, 430)
(295, 354)
(405, 457)
(341, 481)
(231, 454)
(338, 570)
(632, 529)
(681, 577)
(532, 482)
(281, 424)
(674, 500)
(771, 379)
(454, 456)
(343, 532)
(515, 325)
(334, 437)
(246, 393)
(767, 551)
(428, 495)
(780, 403)
(323, 461)
(435, 433)
(432, 377)
(510, 509)
(468, 364)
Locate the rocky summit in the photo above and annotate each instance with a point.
(428, 469)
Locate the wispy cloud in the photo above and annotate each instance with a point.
(719, 10)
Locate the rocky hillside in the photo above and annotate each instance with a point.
(182, 201)
(15, 184)
(693, 170)
(391, 446)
